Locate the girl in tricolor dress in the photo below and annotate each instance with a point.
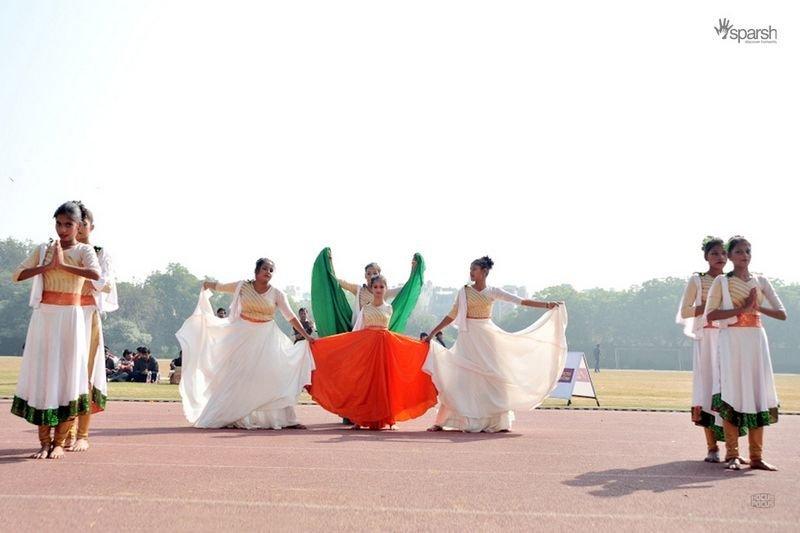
(53, 384)
(747, 399)
(489, 372)
(372, 376)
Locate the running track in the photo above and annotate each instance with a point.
(560, 470)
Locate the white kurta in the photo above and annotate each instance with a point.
(747, 395)
(705, 356)
(241, 373)
(104, 292)
(53, 381)
(489, 372)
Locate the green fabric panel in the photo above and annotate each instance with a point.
(332, 312)
(405, 301)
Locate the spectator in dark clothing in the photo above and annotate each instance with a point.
(222, 312)
(306, 322)
(439, 338)
(175, 369)
(145, 369)
(113, 372)
(125, 367)
(597, 358)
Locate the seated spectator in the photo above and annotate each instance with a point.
(175, 369)
(222, 312)
(145, 369)
(112, 367)
(306, 322)
(125, 366)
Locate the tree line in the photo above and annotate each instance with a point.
(635, 327)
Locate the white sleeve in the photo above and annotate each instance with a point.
(283, 305)
(770, 294)
(105, 271)
(500, 294)
(89, 258)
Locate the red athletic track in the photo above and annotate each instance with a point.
(559, 470)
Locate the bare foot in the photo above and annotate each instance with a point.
(56, 453)
(734, 464)
(758, 464)
(355, 427)
(743, 460)
(435, 427)
(42, 454)
(712, 457)
(297, 426)
(81, 445)
(69, 444)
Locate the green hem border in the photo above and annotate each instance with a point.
(743, 420)
(53, 417)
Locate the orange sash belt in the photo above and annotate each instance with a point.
(60, 298)
(747, 321)
(254, 320)
(87, 300)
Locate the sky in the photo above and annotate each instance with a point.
(589, 143)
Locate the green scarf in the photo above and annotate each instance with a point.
(405, 301)
(333, 313)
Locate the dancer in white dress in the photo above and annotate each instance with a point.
(243, 371)
(97, 298)
(489, 372)
(53, 384)
(747, 399)
(705, 368)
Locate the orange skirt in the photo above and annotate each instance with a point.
(372, 377)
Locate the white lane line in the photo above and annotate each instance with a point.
(398, 510)
(616, 475)
(360, 450)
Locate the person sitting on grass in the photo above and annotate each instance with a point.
(125, 367)
(175, 369)
(145, 369)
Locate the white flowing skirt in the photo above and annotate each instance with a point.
(53, 381)
(705, 372)
(489, 372)
(97, 374)
(746, 380)
(239, 373)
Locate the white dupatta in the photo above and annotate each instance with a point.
(692, 327)
(357, 308)
(236, 304)
(461, 316)
(726, 305)
(38, 281)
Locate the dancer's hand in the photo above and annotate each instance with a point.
(209, 285)
(427, 339)
(58, 256)
(751, 304)
(311, 340)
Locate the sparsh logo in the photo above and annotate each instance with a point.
(726, 31)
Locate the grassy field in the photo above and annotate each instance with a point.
(615, 388)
